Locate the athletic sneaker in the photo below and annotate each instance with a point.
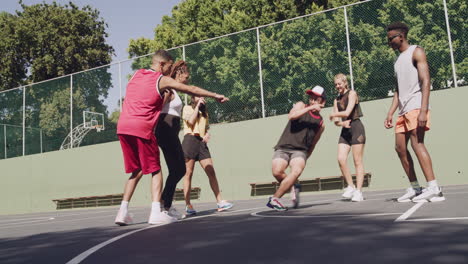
(410, 194)
(189, 210)
(174, 213)
(348, 192)
(224, 205)
(295, 190)
(357, 196)
(161, 218)
(275, 203)
(430, 194)
(123, 219)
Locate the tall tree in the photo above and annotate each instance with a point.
(50, 40)
(45, 41)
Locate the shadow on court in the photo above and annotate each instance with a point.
(248, 239)
(320, 231)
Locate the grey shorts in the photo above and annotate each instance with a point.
(288, 155)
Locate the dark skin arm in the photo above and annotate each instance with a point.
(420, 62)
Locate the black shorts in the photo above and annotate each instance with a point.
(354, 135)
(194, 148)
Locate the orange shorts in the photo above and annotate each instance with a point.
(409, 121)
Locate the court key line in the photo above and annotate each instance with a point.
(408, 213)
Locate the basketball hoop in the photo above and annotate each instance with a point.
(97, 127)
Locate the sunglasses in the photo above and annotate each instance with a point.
(393, 37)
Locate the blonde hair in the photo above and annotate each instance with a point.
(343, 78)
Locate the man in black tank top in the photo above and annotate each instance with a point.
(304, 128)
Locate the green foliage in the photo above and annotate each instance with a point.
(45, 41)
(304, 52)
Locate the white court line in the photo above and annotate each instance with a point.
(408, 213)
(55, 222)
(90, 251)
(320, 216)
(23, 219)
(437, 219)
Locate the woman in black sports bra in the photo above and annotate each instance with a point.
(347, 113)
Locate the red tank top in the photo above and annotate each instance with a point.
(142, 105)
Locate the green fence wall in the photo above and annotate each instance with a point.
(242, 154)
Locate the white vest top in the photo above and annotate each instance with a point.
(174, 107)
(409, 88)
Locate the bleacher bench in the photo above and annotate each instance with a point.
(194, 194)
(111, 199)
(309, 185)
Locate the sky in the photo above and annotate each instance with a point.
(127, 19)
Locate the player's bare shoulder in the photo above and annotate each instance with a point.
(299, 105)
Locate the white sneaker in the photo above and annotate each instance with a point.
(161, 218)
(123, 219)
(357, 196)
(409, 194)
(174, 213)
(431, 194)
(224, 205)
(295, 191)
(348, 192)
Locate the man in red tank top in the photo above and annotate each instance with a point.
(140, 112)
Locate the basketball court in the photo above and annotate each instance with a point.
(324, 229)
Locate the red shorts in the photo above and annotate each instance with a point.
(140, 154)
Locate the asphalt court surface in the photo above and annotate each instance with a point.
(324, 229)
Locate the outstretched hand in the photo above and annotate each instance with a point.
(221, 98)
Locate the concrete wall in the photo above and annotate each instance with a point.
(242, 154)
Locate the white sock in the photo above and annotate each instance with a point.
(124, 206)
(156, 207)
(415, 185)
(432, 184)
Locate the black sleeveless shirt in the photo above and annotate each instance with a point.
(342, 102)
(299, 133)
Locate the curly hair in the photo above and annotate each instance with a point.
(178, 67)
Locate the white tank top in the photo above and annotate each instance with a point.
(409, 88)
(174, 107)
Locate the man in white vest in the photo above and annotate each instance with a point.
(412, 99)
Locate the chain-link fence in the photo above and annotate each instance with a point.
(263, 71)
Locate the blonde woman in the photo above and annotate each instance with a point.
(347, 114)
(195, 149)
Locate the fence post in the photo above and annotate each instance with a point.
(40, 130)
(454, 70)
(71, 110)
(183, 57)
(120, 86)
(349, 50)
(24, 119)
(5, 140)
(260, 71)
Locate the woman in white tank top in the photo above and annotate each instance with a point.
(167, 133)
